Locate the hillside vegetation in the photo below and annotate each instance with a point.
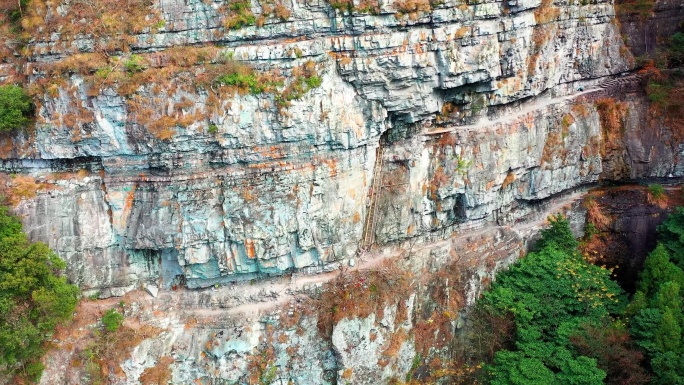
(574, 325)
(34, 298)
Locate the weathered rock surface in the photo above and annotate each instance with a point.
(647, 32)
(212, 343)
(462, 120)
(276, 190)
(625, 220)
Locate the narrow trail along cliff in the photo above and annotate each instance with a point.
(250, 300)
(526, 108)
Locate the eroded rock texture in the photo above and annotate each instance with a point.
(387, 124)
(467, 102)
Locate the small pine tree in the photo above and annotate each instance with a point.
(15, 107)
(112, 320)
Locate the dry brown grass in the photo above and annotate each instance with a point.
(510, 178)
(567, 121)
(260, 364)
(612, 116)
(553, 148)
(448, 108)
(107, 350)
(439, 179)
(282, 12)
(357, 294)
(546, 12)
(159, 374)
(163, 128)
(461, 32)
(15, 188)
(580, 109)
(447, 140)
(394, 344)
(541, 35)
(112, 23)
(412, 7)
(595, 215)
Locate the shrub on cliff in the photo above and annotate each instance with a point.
(13, 8)
(15, 107)
(239, 14)
(34, 298)
(112, 320)
(676, 51)
(552, 294)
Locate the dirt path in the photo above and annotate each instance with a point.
(528, 107)
(280, 291)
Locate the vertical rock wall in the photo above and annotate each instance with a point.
(159, 174)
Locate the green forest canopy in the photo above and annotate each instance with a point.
(573, 324)
(552, 294)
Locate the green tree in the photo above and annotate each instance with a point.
(15, 107)
(657, 305)
(558, 234)
(658, 270)
(676, 51)
(34, 298)
(671, 235)
(656, 190)
(514, 368)
(551, 294)
(657, 319)
(668, 369)
(643, 328)
(112, 320)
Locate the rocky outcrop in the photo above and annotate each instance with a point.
(439, 134)
(648, 31)
(467, 101)
(213, 339)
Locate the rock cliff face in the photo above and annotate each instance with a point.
(465, 104)
(625, 219)
(648, 31)
(356, 124)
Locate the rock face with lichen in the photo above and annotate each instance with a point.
(147, 168)
(198, 143)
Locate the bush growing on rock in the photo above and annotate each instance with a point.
(112, 320)
(15, 107)
(34, 298)
(239, 15)
(676, 52)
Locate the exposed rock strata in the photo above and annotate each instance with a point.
(475, 106)
(647, 33)
(278, 190)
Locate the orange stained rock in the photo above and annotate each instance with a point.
(331, 163)
(249, 248)
(130, 198)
